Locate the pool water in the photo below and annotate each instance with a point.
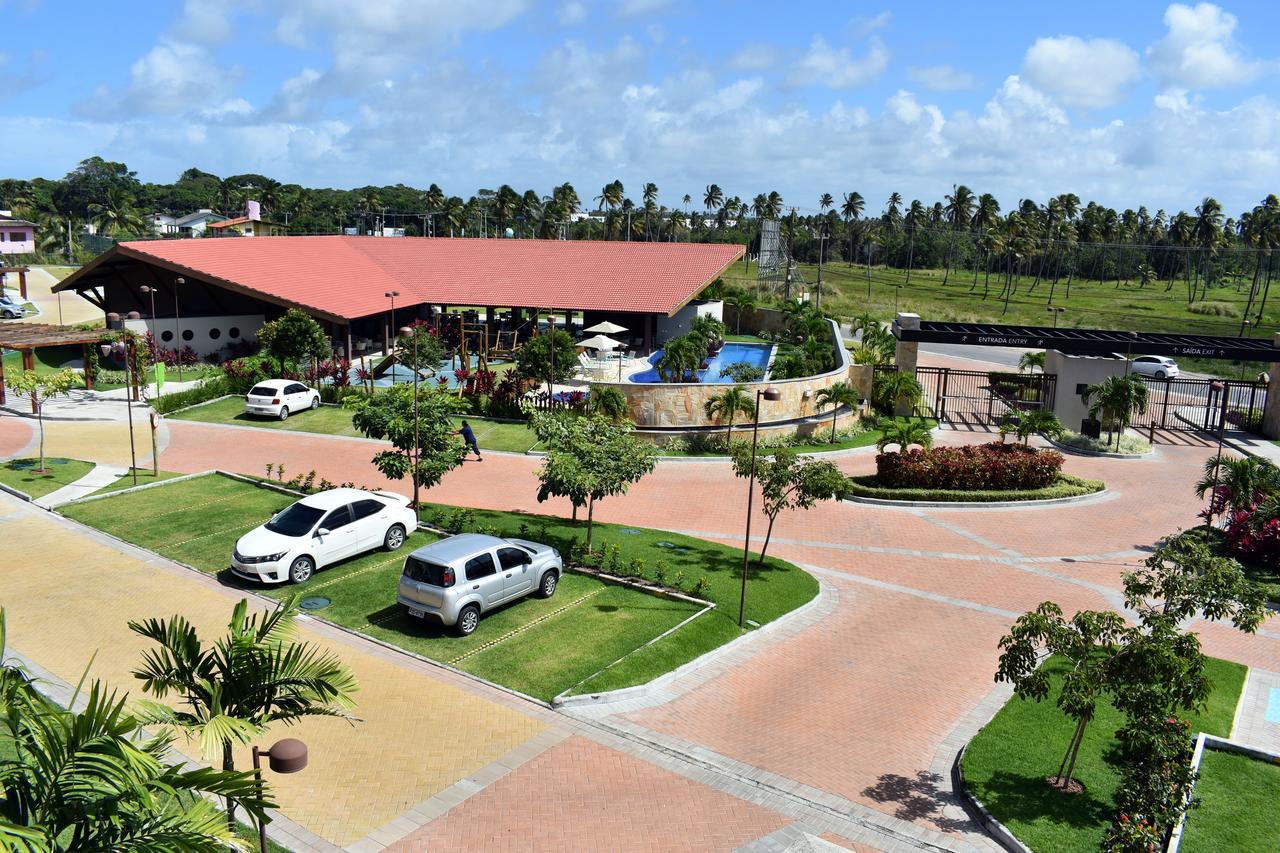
(757, 355)
(398, 373)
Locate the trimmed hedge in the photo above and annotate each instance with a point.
(209, 389)
(1066, 486)
(994, 466)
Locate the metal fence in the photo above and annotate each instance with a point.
(1203, 404)
(982, 397)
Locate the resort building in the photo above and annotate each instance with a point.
(17, 236)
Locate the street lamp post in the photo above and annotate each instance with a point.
(285, 756)
(151, 291)
(392, 294)
(177, 321)
(771, 394)
(1055, 310)
(897, 291)
(409, 332)
(107, 349)
(1216, 388)
(1128, 352)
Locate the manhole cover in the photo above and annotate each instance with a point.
(315, 602)
(673, 546)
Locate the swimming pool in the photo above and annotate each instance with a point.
(398, 373)
(756, 355)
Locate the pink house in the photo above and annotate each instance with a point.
(17, 236)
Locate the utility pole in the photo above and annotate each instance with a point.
(822, 245)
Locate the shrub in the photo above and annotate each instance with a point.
(1250, 421)
(742, 371)
(1065, 487)
(1215, 309)
(970, 467)
(1255, 540)
(207, 390)
(1129, 443)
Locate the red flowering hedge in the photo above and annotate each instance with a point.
(1256, 542)
(970, 467)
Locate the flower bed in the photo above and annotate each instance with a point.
(1065, 486)
(972, 467)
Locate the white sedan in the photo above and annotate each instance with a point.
(1158, 366)
(278, 398)
(320, 530)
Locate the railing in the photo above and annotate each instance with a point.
(1203, 404)
(975, 396)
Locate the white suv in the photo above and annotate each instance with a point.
(322, 529)
(278, 398)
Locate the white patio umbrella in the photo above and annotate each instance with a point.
(600, 342)
(607, 328)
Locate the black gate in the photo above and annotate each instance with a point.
(982, 397)
(1203, 405)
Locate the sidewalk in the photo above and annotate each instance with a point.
(101, 476)
(1256, 445)
(1258, 721)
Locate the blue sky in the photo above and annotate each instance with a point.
(1124, 102)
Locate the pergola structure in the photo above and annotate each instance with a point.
(22, 277)
(27, 337)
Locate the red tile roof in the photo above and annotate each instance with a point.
(229, 223)
(346, 277)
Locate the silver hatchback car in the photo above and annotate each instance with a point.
(455, 580)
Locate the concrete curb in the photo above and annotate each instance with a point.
(17, 493)
(994, 828)
(1078, 451)
(1208, 741)
(1104, 492)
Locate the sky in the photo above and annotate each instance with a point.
(1124, 102)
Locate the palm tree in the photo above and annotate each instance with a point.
(1240, 483)
(826, 202)
(1037, 421)
(905, 433)
(712, 198)
(611, 195)
(232, 690)
(455, 213)
(1116, 399)
(1031, 360)
(744, 301)
(896, 390)
(680, 357)
(117, 215)
(727, 405)
(93, 779)
(959, 211)
(649, 196)
(608, 401)
(835, 396)
(850, 211)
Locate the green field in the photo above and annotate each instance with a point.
(335, 420)
(1239, 805)
(1092, 304)
(20, 474)
(1006, 763)
(145, 476)
(588, 624)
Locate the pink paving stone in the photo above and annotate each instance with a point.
(15, 435)
(851, 705)
(579, 795)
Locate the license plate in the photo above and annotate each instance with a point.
(415, 613)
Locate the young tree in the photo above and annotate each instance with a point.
(835, 396)
(423, 350)
(1116, 399)
(551, 357)
(254, 675)
(1030, 361)
(590, 458)
(41, 388)
(294, 337)
(789, 481)
(727, 405)
(423, 440)
(1036, 422)
(896, 392)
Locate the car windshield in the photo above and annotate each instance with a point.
(297, 520)
(262, 391)
(426, 572)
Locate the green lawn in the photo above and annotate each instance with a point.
(20, 474)
(335, 420)
(1239, 805)
(145, 475)
(198, 521)
(1006, 763)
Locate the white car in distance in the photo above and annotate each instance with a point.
(320, 530)
(1156, 366)
(279, 398)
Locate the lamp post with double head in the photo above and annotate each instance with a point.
(392, 294)
(285, 756)
(121, 348)
(411, 333)
(771, 394)
(177, 322)
(1055, 310)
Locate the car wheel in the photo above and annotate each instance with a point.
(284, 413)
(547, 588)
(9, 315)
(301, 570)
(1160, 374)
(394, 538)
(468, 620)
(315, 402)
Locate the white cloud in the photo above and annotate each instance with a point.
(1199, 50)
(754, 56)
(942, 78)
(836, 68)
(572, 13)
(171, 78)
(202, 22)
(863, 27)
(1079, 73)
(630, 8)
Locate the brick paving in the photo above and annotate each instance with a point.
(842, 729)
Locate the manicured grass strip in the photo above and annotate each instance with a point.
(335, 420)
(145, 476)
(1239, 805)
(818, 445)
(1066, 487)
(21, 474)
(1006, 763)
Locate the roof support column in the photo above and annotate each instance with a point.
(2, 400)
(906, 354)
(1271, 414)
(22, 282)
(88, 367)
(29, 363)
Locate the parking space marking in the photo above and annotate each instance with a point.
(190, 507)
(205, 536)
(507, 636)
(356, 573)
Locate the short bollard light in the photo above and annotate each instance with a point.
(286, 756)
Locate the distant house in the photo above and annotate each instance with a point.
(250, 225)
(17, 236)
(163, 223)
(190, 225)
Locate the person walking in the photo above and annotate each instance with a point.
(470, 438)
